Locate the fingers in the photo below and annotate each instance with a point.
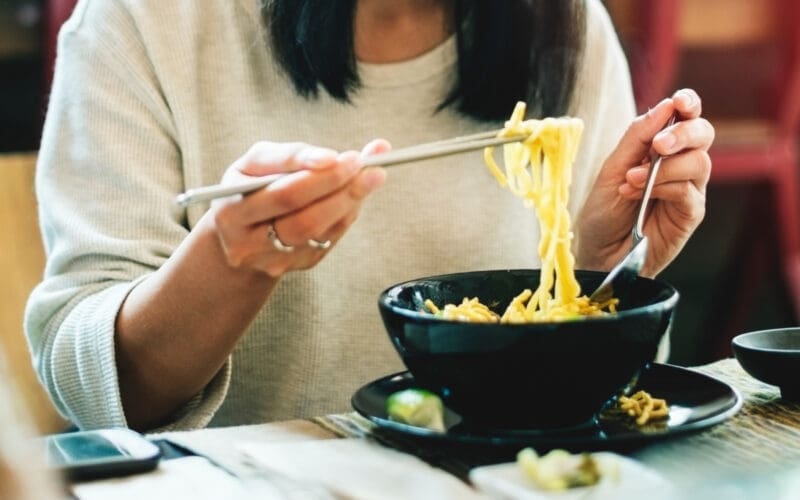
(288, 224)
(286, 195)
(684, 146)
(312, 231)
(262, 247)
(645, 132)
(679, 188)
(687, 104)
(316, 220)
(297, 190)
(635, 144)
(677, 192)
(304, 187)
(265, 158)
(375, 147)
(696, 133)
(683, 197)
(693, 166)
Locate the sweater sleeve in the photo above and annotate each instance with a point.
(108, 171)
(603, 99)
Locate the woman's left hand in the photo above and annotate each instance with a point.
(677, 203)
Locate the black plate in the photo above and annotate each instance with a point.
(696, 402)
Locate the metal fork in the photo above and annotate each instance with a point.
(628, 268)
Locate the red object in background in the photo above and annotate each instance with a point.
(651, 46)
(55, 13)
(751, 93)
(765, 151)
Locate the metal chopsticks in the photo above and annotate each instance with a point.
(406, 155)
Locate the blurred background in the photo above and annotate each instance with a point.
(740, 272)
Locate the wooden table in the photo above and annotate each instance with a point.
(754, 454)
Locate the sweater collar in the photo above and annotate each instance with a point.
(434, 62)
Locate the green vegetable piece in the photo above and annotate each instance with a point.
(416, 407)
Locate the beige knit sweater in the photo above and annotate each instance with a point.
(152, 97)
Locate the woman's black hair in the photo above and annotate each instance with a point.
(508, 50)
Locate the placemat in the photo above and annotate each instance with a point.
(763, 435)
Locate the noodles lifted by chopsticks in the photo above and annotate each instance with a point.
(539, 170)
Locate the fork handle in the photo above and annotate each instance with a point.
(655, 165)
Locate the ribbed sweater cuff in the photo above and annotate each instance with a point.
(83, 361)
(85, 371)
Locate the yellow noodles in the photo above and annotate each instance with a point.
(539, 170)
(643, 407)
(468, 310)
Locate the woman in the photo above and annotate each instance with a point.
(263, 307)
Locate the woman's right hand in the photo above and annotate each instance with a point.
(175, 330)
(316, 202)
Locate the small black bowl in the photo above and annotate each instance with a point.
(532, 375)
(772, 356)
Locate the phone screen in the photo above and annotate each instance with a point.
(66, 449)
(100, 453)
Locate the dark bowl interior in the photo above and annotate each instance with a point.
(553, 374)
(772, 356)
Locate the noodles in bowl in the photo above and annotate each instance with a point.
(523, 375)
(510, 359)
(539, 171)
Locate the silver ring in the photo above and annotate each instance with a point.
(276, 242)
(319, 245)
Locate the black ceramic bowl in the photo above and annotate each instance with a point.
(534, 375)
(772, 356)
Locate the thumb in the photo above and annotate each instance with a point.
(376, 146)
(636, 143)
(265, 158)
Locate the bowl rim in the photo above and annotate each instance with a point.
(385, 297)
(736, 342)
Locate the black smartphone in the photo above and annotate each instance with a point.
(100, 453)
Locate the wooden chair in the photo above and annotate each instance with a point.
(21, 265)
